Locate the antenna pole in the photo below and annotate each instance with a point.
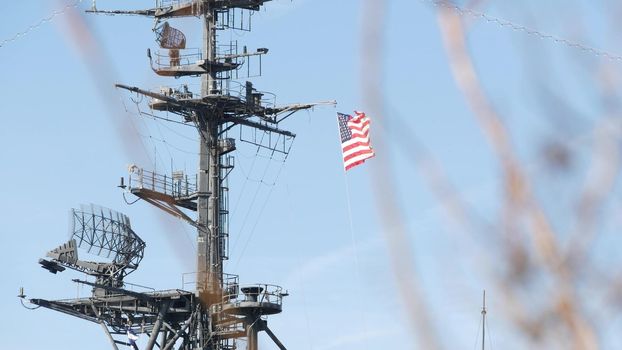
(209, 262)
(484, 320)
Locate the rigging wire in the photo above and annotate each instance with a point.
(128, 202)
(357, 266)
(142, 141)
(237, 202)
(41, 22)
(157, 156)
(259, 182)
(141, 115)
(503, 23)
(159, 120)
(137, 103)
(272, 157)
(166, 143)
(263, 207)
(159, 123)
(168, 150)
(28, 307)
(167, 120)
(249, 178)
(193, 243)
(150, 135)
(250, 207)
(303, 292)
(488, 332)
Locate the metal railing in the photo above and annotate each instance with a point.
(188, 281)
(232, 88)
(178, 185)
(261, 293)
(224, 87)
(181, 92)
(235, 18)
(167, 3)
(230, 282)
(184, 57)
(268, 99)
(137, 288)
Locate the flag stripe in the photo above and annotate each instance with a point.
(356, 154)
(348, 147)
(358, 126)
(361, 129)
(356, 133)
(352, 165)
(363, 154)
(358, 160)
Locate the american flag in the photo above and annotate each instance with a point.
(355, 143)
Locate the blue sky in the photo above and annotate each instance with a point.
(63, 142)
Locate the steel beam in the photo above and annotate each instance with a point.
(112, 341)
(179, 333)
(273, 337)
(158, 325)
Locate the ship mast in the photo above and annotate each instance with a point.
(221, 312)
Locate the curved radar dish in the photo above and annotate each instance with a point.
(170, 38)
(108, 234)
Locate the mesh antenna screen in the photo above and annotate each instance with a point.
(170, 38)
(107, 234)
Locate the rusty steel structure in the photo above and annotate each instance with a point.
(221, 314)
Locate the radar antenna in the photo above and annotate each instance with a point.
(104, 233)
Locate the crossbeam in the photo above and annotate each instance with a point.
(185, 9)
(139, 296)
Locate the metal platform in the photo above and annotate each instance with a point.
(178, 63)
(166, 192)
(111, 308)
(253, 300)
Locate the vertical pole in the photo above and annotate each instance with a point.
(203, 185)
(251, 336)
(484, 320)
(203, 221)
(209, 259)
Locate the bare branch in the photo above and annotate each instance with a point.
(518, 188)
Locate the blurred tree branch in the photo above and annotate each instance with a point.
(519, 195)
(391, 216)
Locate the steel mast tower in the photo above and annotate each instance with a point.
(221, 314)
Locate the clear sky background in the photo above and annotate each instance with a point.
(67, 136)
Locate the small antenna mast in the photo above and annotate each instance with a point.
(484, 320)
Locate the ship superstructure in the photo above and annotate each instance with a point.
(221, 314)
